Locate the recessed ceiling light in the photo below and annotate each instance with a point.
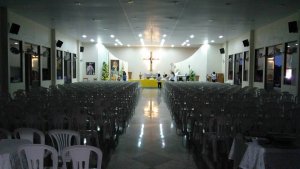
(92, 40)
(192, 36)
(172, 46)
(164, 35)
(83, 36)
(296, 44)
(188, 44)
(105, 29)
(128, 45)
(77, 3)
(187, 40)
(288, 46)
(140, 35)
(221, 36)
(116, 44)
(212, 41)
(112, 36)
(130, 2)
(205, 42)
(16, 43)
(97, 19)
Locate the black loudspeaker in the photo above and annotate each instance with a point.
(222, 50)
(293, 28)
(81, 49)
(59, 43)
(14, 28)
(246, 42)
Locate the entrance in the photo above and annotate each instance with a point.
(238, 68)
(273, 67)
(67, 68)
(32, 66)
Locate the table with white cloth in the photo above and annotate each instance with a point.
(256, 156)
(8, 153)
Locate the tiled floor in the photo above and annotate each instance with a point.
(150, 141)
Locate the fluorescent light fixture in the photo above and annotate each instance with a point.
(188, 44)
(162, 42)
(140, 35)
(112, 36)
(296, 44)
(92, 40)
(212, 41)
(205, 42)
(187, 40)
(221, 36)
(83, 36)
(116, 44)
(192, 36)
(172, 46)
(128, 45)
(183, 43)
(16, 43)
(164, 35)
(288, 46)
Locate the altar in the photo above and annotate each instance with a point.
(147, 83)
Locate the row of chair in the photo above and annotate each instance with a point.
(211, 114)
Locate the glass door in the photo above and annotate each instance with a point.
(32, 66)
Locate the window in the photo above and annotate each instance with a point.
(74, 66)
(246, 66)
(16, 63)
(230, 67)
(46, 63)
(259, 65)
(59, 73)
(291, 60)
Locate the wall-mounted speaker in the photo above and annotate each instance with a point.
(293, 27)
(59, 43)
(81, 49)
(14, 28)
(222, 50)
(246, 42)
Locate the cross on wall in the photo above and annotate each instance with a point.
(151, 58)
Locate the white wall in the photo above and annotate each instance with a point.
(138, 63)
(90, 54)
(204, 61)
(30, 32)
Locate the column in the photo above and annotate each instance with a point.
(53, 57)
(3, 50)
(252, 58)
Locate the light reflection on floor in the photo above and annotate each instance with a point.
(151, 140)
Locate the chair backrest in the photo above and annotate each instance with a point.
(63, 138)
(33, 155)
(28, 134)
(80, 156)
(4, 134)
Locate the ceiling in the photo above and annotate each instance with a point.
(178, 19)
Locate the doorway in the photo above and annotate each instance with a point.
(67, 68)
(238, 68)
(274, 67)
(32, 66)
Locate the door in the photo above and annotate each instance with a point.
(32, 66)
(238, 68)
(273, 67)
(67, 68)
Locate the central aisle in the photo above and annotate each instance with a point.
(150, 141)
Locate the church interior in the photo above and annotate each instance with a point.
(160, 84)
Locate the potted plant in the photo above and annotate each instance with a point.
(105, 72)
(192, 75)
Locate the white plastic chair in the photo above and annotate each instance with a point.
(80, 156)
(28, 134)
(63, 138)
(32, 156)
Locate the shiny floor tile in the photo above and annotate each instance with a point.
(150, 141)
